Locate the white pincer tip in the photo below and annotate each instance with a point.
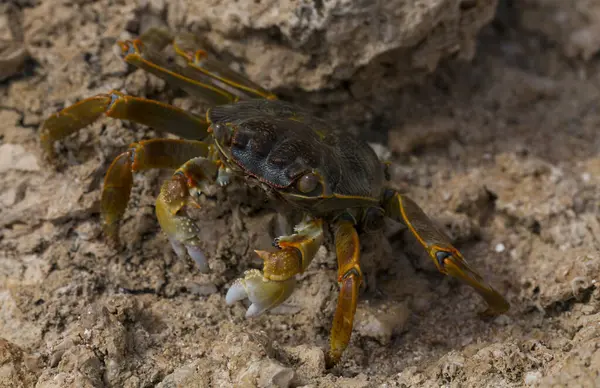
(254, 310)
(236, 293)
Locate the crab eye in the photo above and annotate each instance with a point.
(308, 183)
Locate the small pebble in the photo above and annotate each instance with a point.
(532, 377)
(381, 323)
(274, 374)
(500, 248)
(266, 373)
(205, 289)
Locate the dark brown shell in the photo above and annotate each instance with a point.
(278, 142)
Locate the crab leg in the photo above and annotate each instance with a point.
(277, 281)
(117, 105)
(135, 52)
(148, 154)
(202, 76)
(205, 69)
(192, 179)
(350, 277)
(199, 60)
(446, 257)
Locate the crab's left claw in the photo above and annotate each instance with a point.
(264, 294)
(447, 259)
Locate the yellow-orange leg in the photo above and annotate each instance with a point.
(200, 75)
(186, 47)
(115, 104)
(446, 257)
(137, 53)
(195, 177)
(347, 247)
(277, 281)
(156, 153)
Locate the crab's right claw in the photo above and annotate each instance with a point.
(263, 294)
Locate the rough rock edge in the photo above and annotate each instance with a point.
(322, 43)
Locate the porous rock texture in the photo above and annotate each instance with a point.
(317, 44)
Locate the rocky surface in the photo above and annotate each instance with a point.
(502, 151)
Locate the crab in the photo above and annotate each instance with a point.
(250, 135)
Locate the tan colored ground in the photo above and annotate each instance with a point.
(503, 151)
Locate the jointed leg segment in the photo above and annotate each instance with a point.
(140, 55)
(156, 153)
(350, 278)
(446, 257)
(201, 76)
(115, 104)
(199, 60)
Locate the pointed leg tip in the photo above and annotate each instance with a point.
(47, 153)
(331, 360)
(111, 236)
(488, 314)
(493, 312)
